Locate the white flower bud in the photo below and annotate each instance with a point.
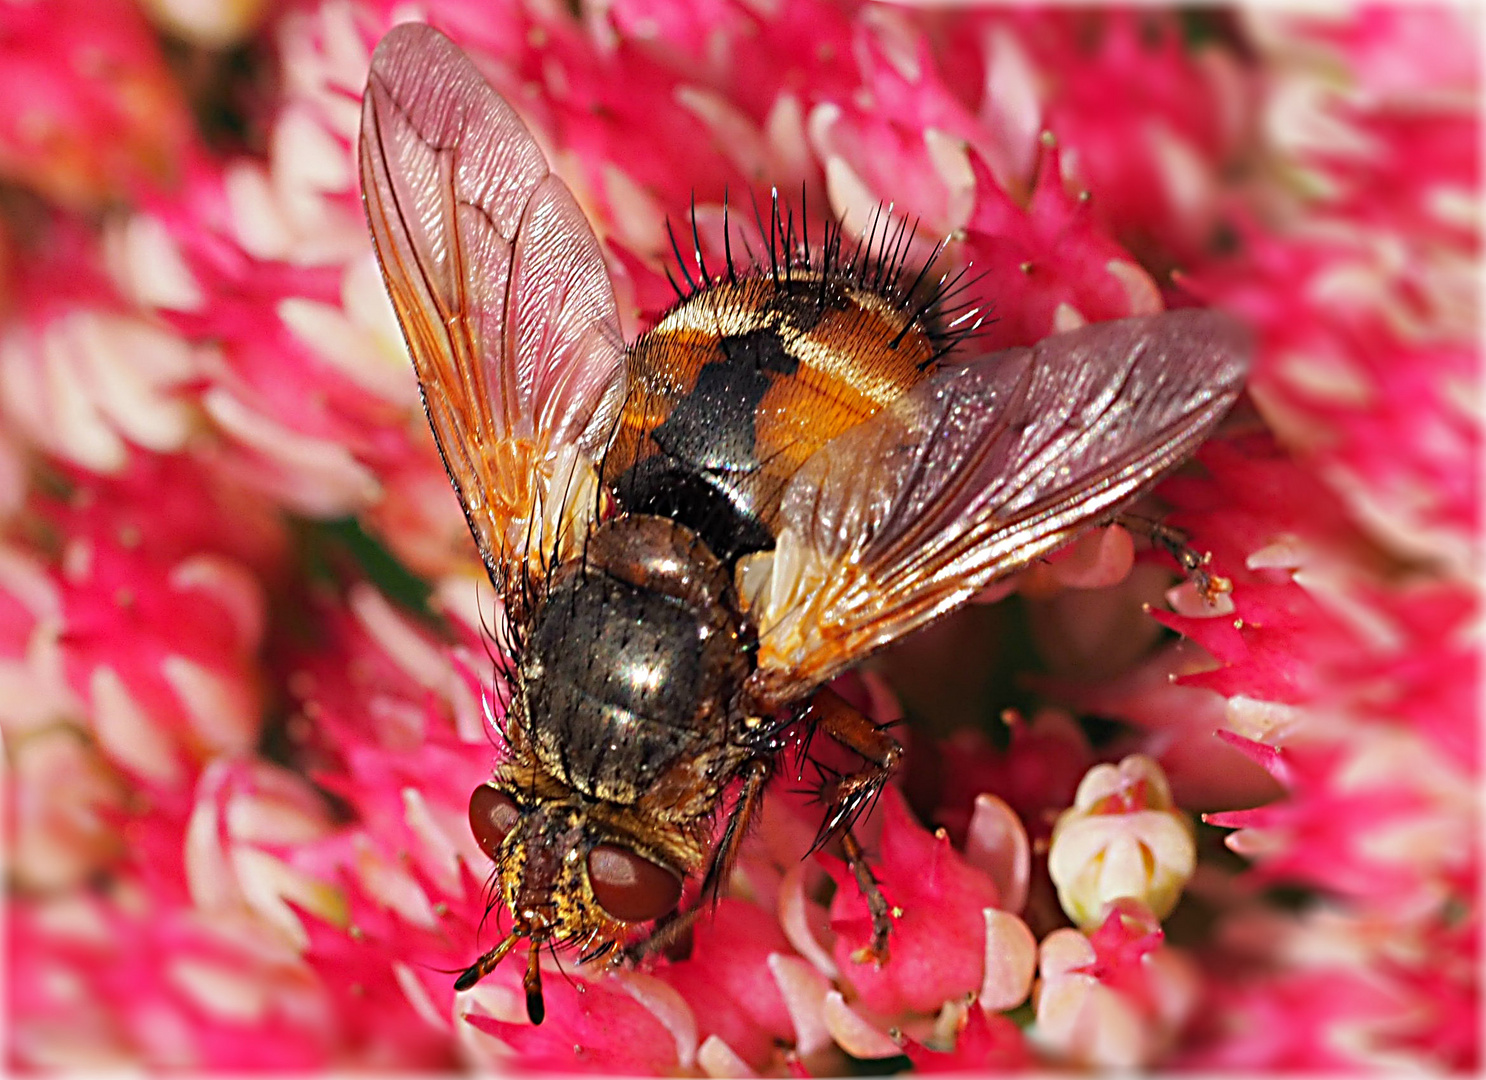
(1121, 837)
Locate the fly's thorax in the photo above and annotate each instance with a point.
(633, 664)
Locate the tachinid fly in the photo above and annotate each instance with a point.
(693, 535)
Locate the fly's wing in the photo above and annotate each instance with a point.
(503, 298)
(971, 475)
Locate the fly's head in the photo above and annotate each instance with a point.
(572, 874)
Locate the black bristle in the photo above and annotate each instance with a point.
(892, 263)
(787, 228)
(727, 240)
(865, 260)
(805, 224)
(940, 306)
(918, 280)
(680, 263)
(696, 245)
(680, 293)
(773, 250)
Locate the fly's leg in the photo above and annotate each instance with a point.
(848, 795)
(877, 905)
(670, 937)
(755, 775)
(675, 926)
(1174, 542)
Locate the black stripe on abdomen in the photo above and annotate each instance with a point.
(708, 448)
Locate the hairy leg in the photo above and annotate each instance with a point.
(1174, 542)
(848, 795)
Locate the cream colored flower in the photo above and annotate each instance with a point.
(1122, 837)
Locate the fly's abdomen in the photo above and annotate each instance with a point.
(739, 384)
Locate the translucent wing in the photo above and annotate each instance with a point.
(502, 294)
(971, 475)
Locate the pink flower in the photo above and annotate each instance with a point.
(940, 900)
(83, 376)
(1049, 263)
(1037, 773)
(1397, 847)
(1113, 997)
(600, 1027)
(983, 1043)
(729, 985)
(159, 644)
(63, 803)
(93, 114)
(112, 981)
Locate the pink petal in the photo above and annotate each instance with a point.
(804, 990)
(1010, 961)
(996, 843)
(717, 1060)
(852, 1031)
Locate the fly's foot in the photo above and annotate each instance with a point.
(876, 951)
(1194, 563)
(1210, 587)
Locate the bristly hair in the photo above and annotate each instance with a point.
(938, 302)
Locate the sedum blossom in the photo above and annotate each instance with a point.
(1122, 838)
(1114, 996)
(92, 114)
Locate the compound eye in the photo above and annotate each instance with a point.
(631, 888)
(492, 814)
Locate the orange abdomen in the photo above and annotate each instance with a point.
(740, 383)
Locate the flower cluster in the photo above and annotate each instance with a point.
(246, 676)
